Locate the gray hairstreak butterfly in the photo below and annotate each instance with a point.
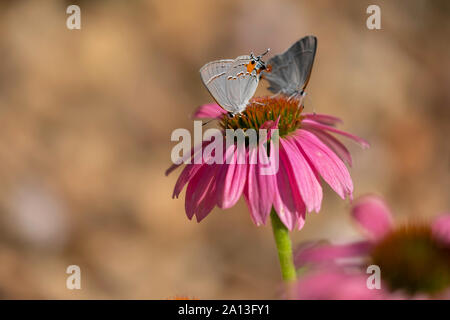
(232, 83)
(289, 72)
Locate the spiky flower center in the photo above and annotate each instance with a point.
(412, 260)
(263, 109)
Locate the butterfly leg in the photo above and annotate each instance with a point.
(294, 95)
(260, 103)
(275, 95)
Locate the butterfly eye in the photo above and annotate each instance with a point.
(252, 62)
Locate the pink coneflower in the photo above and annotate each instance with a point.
(307, 151)
(414, 259)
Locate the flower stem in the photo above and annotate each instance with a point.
(283, 242)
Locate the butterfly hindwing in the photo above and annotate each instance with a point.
(213, 75)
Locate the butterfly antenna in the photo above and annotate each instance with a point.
(264, 53)
(292, 96)
(276, 94)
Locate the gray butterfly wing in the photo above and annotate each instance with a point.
(280, 73)
(291, 70)
(240, 84)
(214, 77)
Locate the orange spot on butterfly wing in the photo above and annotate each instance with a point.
(250, 67)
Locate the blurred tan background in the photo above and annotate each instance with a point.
(86, 117)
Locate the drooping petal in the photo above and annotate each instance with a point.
(190, 155)
(441, 228)
(209, 201)
(186, 175)
(232, 178)
(288, 202)
(329, 253)
(189, 170)
(307, 124)
(329, 166)
(284, 203)
(260, 188)
(189, 203)
(334, 144)
(323, 118)
(200, 193)
(373, 215)
(209, 111)
(302, 175)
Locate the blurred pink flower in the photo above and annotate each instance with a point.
(307, 150)
(334, 284)
(414, 259)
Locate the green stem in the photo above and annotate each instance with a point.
(283, 242)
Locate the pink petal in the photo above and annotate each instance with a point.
(329, 253)
(189, 204)
(323, 118)
(209, 201)
(186, 175)
(334, 144)
(189, 171)
(284, 203)
(259, 190)
(209, 111)
(441, 228)
(301, 174)
(232, 178)
(330, 167)
(310, 124)
(288, 202)
(374, 216)
(336, 284)
(200, 193)
(194, 151)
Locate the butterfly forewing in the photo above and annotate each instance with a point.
(278, 75)
(291, 70)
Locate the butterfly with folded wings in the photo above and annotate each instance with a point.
(290, 71)
(232, 83)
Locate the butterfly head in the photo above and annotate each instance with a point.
(256, 63)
